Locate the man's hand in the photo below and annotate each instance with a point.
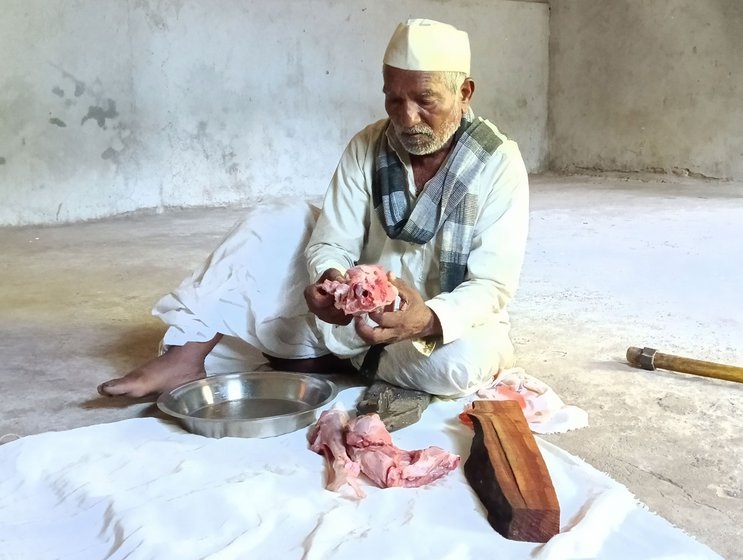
(414, 319)
(322, 304)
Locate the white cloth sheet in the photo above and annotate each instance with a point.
(145, 489)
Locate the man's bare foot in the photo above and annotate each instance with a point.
(179, 365)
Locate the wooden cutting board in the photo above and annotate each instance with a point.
(508, 474)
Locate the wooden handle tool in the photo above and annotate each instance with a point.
(650, 359)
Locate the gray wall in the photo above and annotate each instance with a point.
(641, 85)
(109, 106)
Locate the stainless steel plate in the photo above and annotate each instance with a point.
(250, 404)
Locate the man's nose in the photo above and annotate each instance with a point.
(409, 115)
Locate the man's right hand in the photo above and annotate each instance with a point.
(322, 304)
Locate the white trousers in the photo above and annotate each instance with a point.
(250, 289)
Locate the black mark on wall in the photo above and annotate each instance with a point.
(99, 114)
(57, 122)
(110, 153)
(2, 161)
(79, 84)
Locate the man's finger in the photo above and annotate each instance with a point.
(387, 319)
(405, 291)
(373, 335)
(399, 283)
(365, 332)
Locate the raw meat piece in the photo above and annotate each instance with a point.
(388, 466)
(427, 465)
(326, 438)
(370, 444)
(364, 445)
(367, 430)
(364, 288)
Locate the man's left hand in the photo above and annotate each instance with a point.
(414, 319)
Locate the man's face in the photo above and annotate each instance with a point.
(424, 112)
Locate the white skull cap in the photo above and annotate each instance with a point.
(428, 46)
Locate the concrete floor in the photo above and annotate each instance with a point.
(611, 263)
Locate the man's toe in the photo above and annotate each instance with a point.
(112, 388)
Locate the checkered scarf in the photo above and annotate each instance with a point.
(448, 203)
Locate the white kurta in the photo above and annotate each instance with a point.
(251, 287)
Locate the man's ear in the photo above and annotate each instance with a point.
(466, 91)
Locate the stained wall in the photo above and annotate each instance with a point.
(647, 86)
(111, 106)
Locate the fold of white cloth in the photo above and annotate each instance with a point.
(544, 410)
(144, 489)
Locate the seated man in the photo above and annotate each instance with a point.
(433, 194)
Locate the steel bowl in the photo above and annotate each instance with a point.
(250, 404)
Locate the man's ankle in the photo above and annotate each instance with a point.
(194, 350)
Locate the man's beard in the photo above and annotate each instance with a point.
(427, 141)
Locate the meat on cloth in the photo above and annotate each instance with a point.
(327, 438)
(364, 288)
(368, 446)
